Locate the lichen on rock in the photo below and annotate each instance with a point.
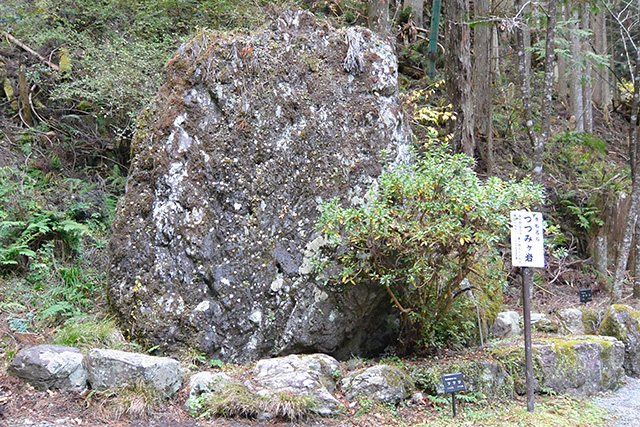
(214, 238)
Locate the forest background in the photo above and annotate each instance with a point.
(546, 90)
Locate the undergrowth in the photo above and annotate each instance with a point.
(557, 411)
(53, 234)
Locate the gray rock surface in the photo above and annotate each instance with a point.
(207, 382)
(214, 241)
(571, 321)
(50, 367)
(623, 323)
(112, 369)
(507, 325)
(486, 377)
(312, 375)
(382, 383)
(580, 366)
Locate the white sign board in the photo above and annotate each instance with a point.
(527, 239)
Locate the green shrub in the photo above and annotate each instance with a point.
(421, 234)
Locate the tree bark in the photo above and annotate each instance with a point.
(577, 103)
(495, 54)
(636, 273)
(417, 11)
(539, 142)
(482, 82)
(25, 106)
(601, 74)
(379, 17)
(563, 84)
(459, 73)
(587, 88)
(634, 210)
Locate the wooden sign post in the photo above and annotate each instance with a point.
(527, 251)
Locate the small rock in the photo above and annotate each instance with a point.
(112, 368)
(207, 382)
(537, 317)
(571, 321)
(507, 325)
(311, 375)
(383, 383)
(50, 367)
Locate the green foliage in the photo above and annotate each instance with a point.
(235, 400)
(422, 232)
(90, 334)
(47, 225)
(590, 182)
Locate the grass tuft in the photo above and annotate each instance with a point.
(135, 401)
(90, 334)
(290, 406)
(233, 400)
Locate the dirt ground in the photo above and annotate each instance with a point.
(21, 405)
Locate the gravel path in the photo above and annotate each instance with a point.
(623, 404)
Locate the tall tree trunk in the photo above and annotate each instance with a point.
(602, 75)
(636, 249)
(482, 83)
(495, 54)
(25, 106)
(458, 58)
(587, 88)
(634, 209)
(379, 17)
(562, 67)
(577, 103)
(417, 11)
(539, 142)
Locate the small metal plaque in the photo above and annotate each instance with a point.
(585, 295)
(453, 383)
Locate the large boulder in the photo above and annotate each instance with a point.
(580, 365)
(623, 323)
(481, 375)
(110, 369)
(215, 239)
(50, 367)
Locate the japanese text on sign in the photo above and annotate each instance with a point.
(527, 239)
(453, 383)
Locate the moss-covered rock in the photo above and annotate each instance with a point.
(485, 377)
(214, 241)
(623, 323)
(582, 365)
(382, 383)
(590, 321)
